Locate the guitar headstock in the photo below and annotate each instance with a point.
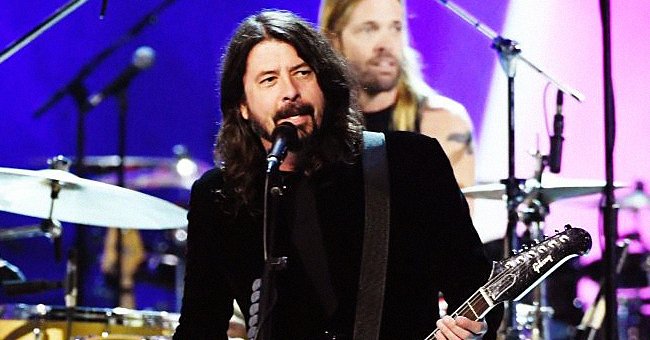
(514, 277)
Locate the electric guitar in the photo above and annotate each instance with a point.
(514, 277)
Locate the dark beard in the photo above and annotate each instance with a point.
(289, 110)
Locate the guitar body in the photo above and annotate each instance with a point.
(514, 277)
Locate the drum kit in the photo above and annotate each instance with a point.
(55, 195)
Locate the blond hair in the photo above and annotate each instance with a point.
(412, 90)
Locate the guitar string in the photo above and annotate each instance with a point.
(475, 297)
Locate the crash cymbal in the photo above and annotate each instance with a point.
(552, 188)
(82, 201)
(98, 165)
(181, 161)
(111, 162)
(168, 173)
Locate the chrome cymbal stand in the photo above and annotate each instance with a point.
(532, 212)
(50, 227)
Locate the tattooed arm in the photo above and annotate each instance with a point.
(453, 129)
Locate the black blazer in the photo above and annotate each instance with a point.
(433, 248)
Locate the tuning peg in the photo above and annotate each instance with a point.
(557, 231)
(567, 227)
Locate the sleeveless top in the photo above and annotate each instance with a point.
(381, 121)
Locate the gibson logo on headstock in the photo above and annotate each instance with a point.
(538, 251)
(539, 264)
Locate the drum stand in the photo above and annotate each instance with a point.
(532, 211)
(533, 217)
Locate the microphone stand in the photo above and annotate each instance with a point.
(50, 21)
(121, 152)
(610, 227)
(79, 93)
(272, 262)
(509, 53)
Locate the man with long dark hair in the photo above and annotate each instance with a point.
(279, 70)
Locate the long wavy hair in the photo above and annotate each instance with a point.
(412, 90)
(239, 149)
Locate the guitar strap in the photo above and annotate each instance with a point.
(374, 257)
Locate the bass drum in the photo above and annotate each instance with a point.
(29, 322)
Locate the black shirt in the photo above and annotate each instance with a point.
(379, 121)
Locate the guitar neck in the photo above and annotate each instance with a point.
(515, 276)
(474, 308)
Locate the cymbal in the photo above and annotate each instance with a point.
(109, 163)
(166, 173)
(83, 201)
(552, 188)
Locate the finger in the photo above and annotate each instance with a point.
(475, 327)
(451, 330)
(443, 331)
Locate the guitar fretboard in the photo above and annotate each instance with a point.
(474, 308)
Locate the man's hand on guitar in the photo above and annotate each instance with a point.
(460, 328)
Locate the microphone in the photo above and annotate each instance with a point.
(143, 58)
(71, 280)
(284, 136)
(555, 154)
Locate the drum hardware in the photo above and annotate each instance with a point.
(10, 273)
(594, 316)
(533, 201)
(58, 195)
(48, 322)
(532, 212)
(169, 178)
(48, 228)
(509, 53)
(142, 58)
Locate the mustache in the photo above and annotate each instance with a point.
(294, 109)
(383, 54)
